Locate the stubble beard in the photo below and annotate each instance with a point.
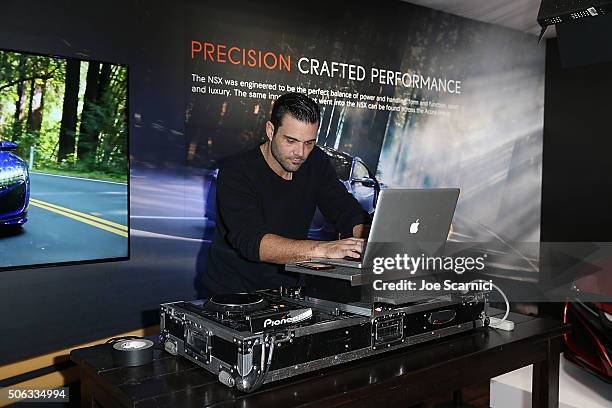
(289, 167)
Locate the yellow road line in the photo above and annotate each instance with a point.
(81, 214)
(80, 218)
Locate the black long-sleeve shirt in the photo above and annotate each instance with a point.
(252, 201)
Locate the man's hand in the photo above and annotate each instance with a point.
(351, 247)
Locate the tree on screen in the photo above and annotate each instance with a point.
(73, 113)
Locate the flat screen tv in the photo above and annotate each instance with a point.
(64, 162)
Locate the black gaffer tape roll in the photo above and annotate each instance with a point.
(132, 352)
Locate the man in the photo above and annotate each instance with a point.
(266, 199)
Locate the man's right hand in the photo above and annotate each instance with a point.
(351, 247)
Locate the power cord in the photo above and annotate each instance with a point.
(503, 323)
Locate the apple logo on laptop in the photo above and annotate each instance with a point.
(414, 227)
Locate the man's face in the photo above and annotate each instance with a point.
(292, 142)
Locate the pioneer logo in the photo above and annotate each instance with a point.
(270, 322)
(292, 317)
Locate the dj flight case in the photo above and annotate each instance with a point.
(251, 339)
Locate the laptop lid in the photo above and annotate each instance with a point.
(411, 221)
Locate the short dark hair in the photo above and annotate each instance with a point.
(298, 106)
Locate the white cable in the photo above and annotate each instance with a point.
(501, 321)
(270, 353)
(263, 354)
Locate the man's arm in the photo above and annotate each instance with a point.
(248, 234)
(276, 249)
(239, 213)
(337, 204)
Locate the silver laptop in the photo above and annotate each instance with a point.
(407, 221)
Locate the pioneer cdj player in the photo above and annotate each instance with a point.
(251, 339)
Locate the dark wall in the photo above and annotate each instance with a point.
(52, 308)
(577, 162)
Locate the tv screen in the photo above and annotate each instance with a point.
(64, 163)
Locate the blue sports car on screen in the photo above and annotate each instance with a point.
(14, 186)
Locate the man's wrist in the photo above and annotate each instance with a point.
(318, 251)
